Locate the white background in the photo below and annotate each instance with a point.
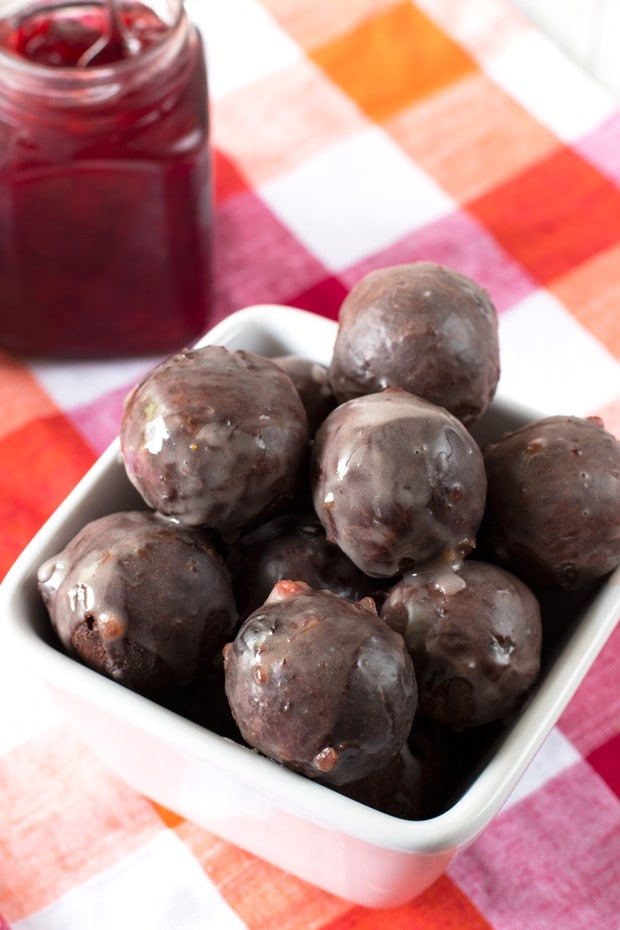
(589, 30)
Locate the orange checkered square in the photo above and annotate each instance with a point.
(263, 895)
(389, 62)
(442, 907)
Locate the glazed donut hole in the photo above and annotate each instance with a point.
(329, 568)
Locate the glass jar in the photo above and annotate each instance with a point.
(105, 179)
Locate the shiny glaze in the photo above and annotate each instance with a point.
(321, 684)
(136, 578)
(475, 638)
(421, 327)
(397, 481)
(214, 437)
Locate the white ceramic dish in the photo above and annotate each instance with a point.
(332, 841)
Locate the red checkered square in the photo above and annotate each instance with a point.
(543, 857)
(257, 259)
(604, 760)
(458, 242)
(323, 298)
(554, 216)
(47, 455)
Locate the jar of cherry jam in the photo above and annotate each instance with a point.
(105, 180)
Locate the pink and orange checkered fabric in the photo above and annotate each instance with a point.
(348, 136)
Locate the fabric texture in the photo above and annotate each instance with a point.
(348, 136)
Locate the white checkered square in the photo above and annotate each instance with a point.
(27, 709)
(160, 886)
(552, 87)
(243, 42)
(355, 197)
(483, 27)
(556, 754)
(567, 370)
(78, 383)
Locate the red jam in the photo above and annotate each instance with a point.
(105, 185)
(62, 38)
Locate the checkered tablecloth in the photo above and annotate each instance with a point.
(348, 135)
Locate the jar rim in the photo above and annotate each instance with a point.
(73, 77)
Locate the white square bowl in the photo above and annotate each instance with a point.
(361, 854)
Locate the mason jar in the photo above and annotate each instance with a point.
(105, 179)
